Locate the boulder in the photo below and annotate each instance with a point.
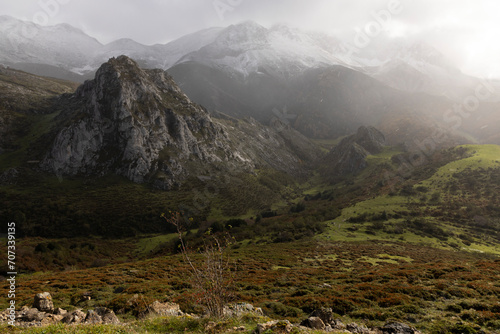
(337, 324)
(163, 309)
(357, 329)
(107, 315)
(314, 323)
(397, 328)
(275, 326)
(93, 318)
(43, 302)
(325, 314)
(74, 317)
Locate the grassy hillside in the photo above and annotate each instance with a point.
(407, 239)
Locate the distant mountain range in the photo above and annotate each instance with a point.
(311, 81)
(242, 49)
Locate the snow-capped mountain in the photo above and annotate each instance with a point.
(251, 48)
(240, 49)
(61, 45)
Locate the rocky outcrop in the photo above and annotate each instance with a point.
(349, 156)
(274, 326)
(138, 123)
(43, 313)
(324, 319)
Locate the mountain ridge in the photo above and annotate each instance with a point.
(139, 124)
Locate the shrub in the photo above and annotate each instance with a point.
(282, 310)
(212, 278)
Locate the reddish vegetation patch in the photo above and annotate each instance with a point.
(300, 277)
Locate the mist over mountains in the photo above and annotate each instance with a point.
(312, 81)
(240, 49)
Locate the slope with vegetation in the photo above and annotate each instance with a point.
(374, 232)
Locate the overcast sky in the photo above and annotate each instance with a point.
(466, 31)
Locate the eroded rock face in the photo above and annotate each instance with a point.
(133, 122)
(138, 123)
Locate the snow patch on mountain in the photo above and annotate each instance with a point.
(241, 49)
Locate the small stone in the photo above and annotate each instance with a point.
(239, 329)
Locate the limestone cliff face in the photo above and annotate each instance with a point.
(138, 123)
(349, 156)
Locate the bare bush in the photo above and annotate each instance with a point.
(211, 271)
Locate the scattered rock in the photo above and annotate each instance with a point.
(93, 318)
(314, 323)
(9, 176)
(397, 328)
(43, 302)
(357, 329)
(239, 309)
(60, 311)
(325, 314)
(51, 319)
(163, 309)
(30, 315)
(275, 326)
(107, 315)
(338, 324)
(239, 329)
(74, 317)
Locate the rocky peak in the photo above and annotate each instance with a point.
(369, 138)
(131, 121)
(139, 124)
(349, 156)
